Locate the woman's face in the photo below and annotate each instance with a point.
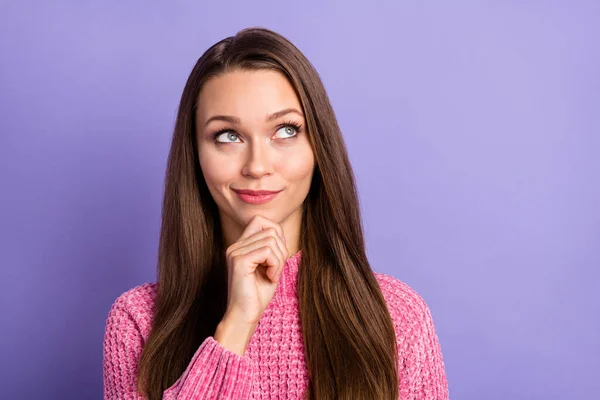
(248, 139)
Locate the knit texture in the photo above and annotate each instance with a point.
(273, 366)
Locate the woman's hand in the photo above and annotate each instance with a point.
(254, 265)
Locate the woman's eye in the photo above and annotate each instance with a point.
(288, 131)
(284, 132)
(228, 135)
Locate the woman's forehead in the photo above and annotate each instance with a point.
(247, 95)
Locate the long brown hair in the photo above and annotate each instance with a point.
(348, 334)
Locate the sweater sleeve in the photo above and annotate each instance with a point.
(214, 372)
(422, 373)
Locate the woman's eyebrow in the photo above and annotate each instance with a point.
(281, 113)
(236, 120)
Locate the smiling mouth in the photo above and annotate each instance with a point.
(256, 196)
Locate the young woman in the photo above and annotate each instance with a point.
(264, 290)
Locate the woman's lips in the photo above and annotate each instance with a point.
(256, 196)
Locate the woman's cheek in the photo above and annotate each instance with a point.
(299, 166)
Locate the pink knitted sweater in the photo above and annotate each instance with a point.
(273, 366)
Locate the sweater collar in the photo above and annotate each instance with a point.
(286, 288)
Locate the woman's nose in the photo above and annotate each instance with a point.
(258, 160)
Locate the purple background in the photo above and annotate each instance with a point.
(474, 133)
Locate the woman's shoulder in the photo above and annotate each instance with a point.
(136, 306)
(139, 297)
(406, 306)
